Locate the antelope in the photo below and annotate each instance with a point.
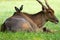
(18, 22)
(32, 22)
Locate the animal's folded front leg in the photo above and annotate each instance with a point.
(46, 30)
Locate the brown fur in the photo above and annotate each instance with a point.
(22, 21)
(40, 18)
(19, 22)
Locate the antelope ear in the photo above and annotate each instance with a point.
(21, 7)
(17, 10)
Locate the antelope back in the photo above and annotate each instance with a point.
(16, 22)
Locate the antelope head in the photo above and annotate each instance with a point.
(49, 12)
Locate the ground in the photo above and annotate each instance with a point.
(31, 7)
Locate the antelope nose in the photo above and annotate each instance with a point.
(57, 21)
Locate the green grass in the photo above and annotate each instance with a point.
(7, 10)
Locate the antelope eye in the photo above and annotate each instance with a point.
(49, 12)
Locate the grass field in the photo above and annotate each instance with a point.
(31, 7)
